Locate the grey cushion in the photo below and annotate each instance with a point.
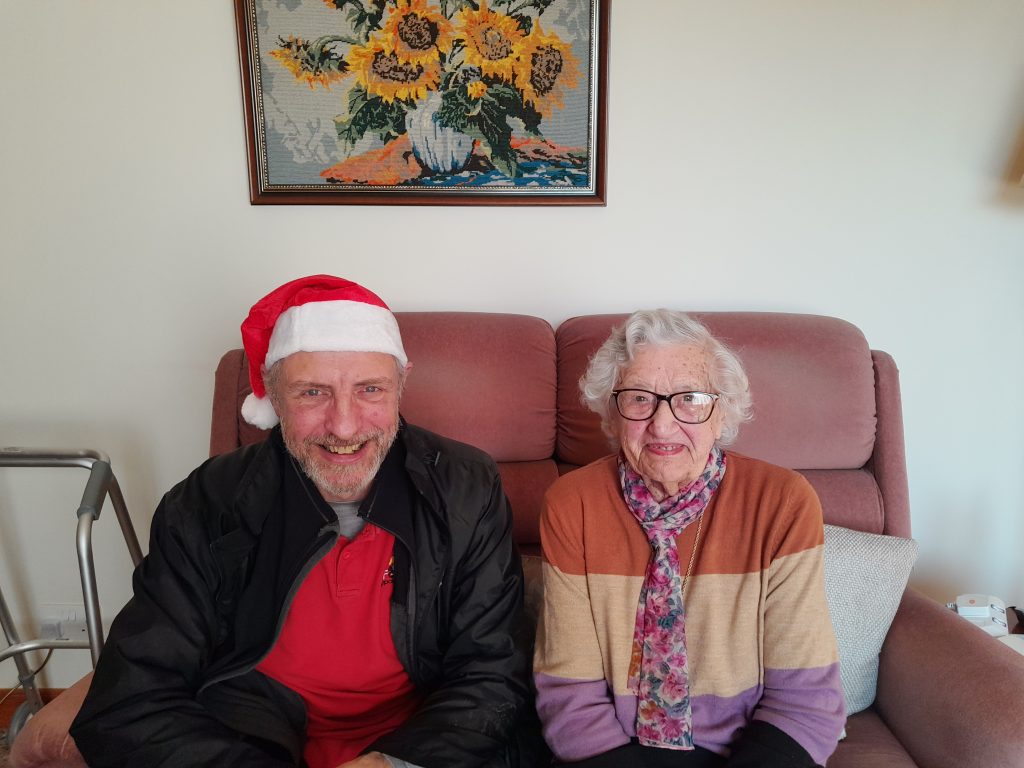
(865, 576)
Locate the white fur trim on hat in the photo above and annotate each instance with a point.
(335, 326)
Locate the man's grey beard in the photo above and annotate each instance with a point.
(303, 451)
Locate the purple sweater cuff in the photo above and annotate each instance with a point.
(578, 716)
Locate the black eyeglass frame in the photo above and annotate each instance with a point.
(668, 399)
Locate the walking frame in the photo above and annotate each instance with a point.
(100, 484)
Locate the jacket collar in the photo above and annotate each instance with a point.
(404, 475)
(272, 471)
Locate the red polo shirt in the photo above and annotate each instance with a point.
(336, 651)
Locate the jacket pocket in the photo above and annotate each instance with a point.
(233, 555)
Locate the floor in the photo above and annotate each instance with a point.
(3, 742)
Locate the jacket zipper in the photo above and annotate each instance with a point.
(410, 598)
(414, 627)
(319, 548)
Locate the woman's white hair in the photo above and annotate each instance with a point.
(665, 327)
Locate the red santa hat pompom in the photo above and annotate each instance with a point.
(320, 313)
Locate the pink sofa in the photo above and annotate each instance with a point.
(824, 403)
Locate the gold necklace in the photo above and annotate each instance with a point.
(693, 554)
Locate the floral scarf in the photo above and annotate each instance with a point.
(658, 669)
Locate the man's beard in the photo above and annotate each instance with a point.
(342, 482)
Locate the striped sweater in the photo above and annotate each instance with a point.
(758, 634)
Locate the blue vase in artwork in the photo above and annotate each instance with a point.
(438, 148)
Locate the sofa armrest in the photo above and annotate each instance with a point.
(44, 742)
(950, 693)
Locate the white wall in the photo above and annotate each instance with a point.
(849, 159)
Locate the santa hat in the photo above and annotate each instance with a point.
(320, 313)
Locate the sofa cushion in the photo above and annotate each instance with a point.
(869, 743)
(865, 576)
(525, 483)
(849, 497)
(486, 379)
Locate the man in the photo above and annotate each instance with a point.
(343, 594)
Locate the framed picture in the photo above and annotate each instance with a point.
(425, 102)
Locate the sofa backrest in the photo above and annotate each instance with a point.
(824, 403)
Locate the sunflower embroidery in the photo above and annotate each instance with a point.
(491, 41)
(416, 33)
(545, 70)
(313, 63)
(448, 74)
(381, 72)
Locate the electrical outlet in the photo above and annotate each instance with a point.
(49, 629)
(63, 621)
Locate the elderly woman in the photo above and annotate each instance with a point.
(684, 619)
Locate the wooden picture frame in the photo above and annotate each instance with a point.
(425, 102)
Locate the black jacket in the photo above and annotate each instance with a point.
(229, 546)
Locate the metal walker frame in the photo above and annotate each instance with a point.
(101, 483)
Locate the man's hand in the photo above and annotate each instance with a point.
(369, 760)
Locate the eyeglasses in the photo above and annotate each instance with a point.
(687, 407)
